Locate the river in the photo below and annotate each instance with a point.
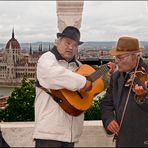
(6, 91)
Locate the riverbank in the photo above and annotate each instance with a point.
(6, 90)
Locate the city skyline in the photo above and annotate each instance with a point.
(101, 20)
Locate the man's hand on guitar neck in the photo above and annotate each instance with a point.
(112, 67)
(88, 86)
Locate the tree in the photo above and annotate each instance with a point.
(21, 103)
(93, 113)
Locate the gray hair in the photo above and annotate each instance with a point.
(57, 41)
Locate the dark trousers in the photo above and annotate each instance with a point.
(39, 143)
(3, 143)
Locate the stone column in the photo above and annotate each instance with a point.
(69, 13)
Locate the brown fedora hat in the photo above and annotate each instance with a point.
(126, 45)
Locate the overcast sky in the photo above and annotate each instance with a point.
(101, 21)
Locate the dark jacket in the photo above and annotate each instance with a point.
(134, 128)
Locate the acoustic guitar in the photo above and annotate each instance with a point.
(75, 102)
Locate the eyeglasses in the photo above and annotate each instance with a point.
(120, 58)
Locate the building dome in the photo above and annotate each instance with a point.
(13, 43)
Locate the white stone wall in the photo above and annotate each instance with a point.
(69, 13)
(19, 134)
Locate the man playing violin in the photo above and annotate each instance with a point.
(124, 108)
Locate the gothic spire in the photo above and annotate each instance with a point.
(13, 33)
(30, 49)
(40, 47)
(49, 47)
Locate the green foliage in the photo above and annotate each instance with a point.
(1, 114)
(94, 112)
(20, 103)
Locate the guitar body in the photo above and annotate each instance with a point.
(72, 102)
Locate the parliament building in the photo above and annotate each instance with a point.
(14, 64)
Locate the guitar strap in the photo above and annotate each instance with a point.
(56, 99)
(58, 57)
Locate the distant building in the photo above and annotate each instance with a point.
(14, 64)
(145, 53)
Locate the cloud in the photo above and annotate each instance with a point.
(110, 19)
(101, 21)
(32, 21)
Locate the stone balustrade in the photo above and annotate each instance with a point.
(19, 134)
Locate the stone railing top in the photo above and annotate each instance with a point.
(31, 124)
(93, 123)
(16, 124)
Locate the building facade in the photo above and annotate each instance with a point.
(14, 64)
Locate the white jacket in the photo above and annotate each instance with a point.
(51, 121)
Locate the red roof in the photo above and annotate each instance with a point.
(13, 44)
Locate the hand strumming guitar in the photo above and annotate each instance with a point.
(88, 86)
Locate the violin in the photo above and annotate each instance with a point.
(139, 77)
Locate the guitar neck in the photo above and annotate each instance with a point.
(98, 73)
